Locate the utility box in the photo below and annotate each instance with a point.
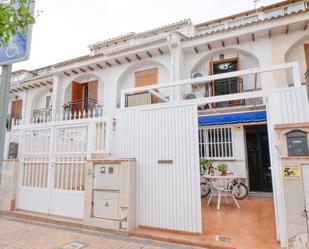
(106, 176)
(110, 194)
(106, 204)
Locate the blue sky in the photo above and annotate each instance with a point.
(67, 27)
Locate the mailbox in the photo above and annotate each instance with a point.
(297, 143)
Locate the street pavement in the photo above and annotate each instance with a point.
(25, 234)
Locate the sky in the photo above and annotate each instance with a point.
(65, 28)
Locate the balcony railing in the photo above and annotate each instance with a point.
(80, 109)
(138, 99)
(307, 81)
(41, 115)
(12, 119)
(242, 87)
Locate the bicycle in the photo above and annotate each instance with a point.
(239, 187)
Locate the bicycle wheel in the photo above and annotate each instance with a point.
(205, 190)
(240, 191)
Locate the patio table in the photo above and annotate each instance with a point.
(219, 191)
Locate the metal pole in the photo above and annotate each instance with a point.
(4, 101)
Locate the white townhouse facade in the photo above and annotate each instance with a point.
(68, 113)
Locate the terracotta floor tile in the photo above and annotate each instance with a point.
(250, 227)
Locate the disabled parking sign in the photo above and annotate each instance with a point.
(18, 48)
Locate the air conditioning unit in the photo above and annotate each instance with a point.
(189, 96)
(198, 75)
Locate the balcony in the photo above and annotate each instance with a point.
(243, 89)
(12, 120)
(81, 109)
(41, 115)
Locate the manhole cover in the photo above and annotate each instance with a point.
(222, 238)
(74, 245)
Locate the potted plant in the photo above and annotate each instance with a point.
(66, 111)
(205, 165)
(222, 167)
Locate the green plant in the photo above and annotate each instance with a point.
(222, 167)
(205, 165)
(14, 15)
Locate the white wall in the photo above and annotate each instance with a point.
(237, 165)
(296, 53)
(39, 101)
(128, 80)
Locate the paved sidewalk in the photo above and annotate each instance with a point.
(21, 234)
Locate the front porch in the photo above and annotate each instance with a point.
(252, 226)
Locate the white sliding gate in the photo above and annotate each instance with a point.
(165, 143)
(52, 165)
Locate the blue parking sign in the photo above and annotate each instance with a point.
(18, 48)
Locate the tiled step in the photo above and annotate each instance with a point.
(178, 238)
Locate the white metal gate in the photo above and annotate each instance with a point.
(165, 143)
(52, 170)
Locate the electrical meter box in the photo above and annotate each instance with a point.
(106, 177)
(106, 204)
(110, 194)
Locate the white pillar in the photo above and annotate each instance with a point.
(56, 98)
(176, 64)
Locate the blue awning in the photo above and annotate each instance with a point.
(233, 118)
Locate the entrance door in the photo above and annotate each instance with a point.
(84, 96)
(258, 158)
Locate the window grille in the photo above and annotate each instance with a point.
(216, 143)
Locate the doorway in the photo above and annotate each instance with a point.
(258, 158)
(228, 85)
(84, 96)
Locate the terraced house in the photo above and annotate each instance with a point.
(227, 90)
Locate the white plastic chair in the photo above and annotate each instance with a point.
(219, 191)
